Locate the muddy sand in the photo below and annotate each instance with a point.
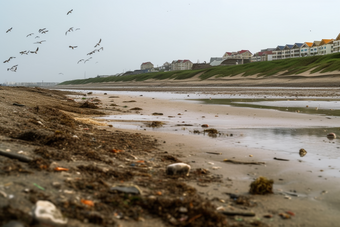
(75, 161)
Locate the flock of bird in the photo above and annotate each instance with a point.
(44, 31)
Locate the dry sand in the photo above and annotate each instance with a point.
(317, 203)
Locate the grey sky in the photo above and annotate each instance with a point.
(137, 31)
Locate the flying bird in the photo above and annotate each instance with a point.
(80, 61)
(9, 30)
(77, 29)
(40, 42)
(30, 34)
(13, 68)
(72, 47)
(35, 52)
(24, 52)
(87, 60)
(8, 59)
(61, 73)
(69, 30)
(45, 31)
(69, 12)
(37, 37)
(41, 29)
(98, 44)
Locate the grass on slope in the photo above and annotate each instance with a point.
(325, 63)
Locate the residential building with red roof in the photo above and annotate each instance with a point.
(146, 65)
(181, 65)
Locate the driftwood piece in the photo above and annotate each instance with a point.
(21, 158)
(243, 162)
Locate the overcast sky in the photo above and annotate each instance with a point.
(159, 31)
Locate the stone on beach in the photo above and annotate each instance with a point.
(46, 213)
(178, 169)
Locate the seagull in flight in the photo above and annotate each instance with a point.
(35, 52)
(87, 60)
(69, 30)
(98, 44)
(37, 37)
(69, 12)
(40, 42)
(9, 30)
(72, 47)
(80, 60)
(13, 68)
(8, 59)
(41, 30)
(30, 34)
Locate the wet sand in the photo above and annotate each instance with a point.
(310, 193)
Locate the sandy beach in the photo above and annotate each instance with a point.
(299, 186)
(304, 194)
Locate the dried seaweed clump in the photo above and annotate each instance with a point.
(154, 124)
(261, 186)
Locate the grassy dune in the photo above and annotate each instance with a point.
(323, 64)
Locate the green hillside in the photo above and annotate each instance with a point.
(325, 63)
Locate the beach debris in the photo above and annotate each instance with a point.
(38, 186)
(46, 213)
(268, 216)
(136, 108)
(238, 213)
(216, 153)
(281, 159)
(211, 131)
(116, 151)
(113, 97)
(130, 189)
(178, 169)
(19, 157)
(261, 186)
(285, 216)
(88, 104)
(157, 114)
(87, 202)
(331, 136)
(243, 162)
(205, 126)
(302, 152)
(60, 169)
(18, 104)
(154, 124)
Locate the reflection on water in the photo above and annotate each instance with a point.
(329, 107)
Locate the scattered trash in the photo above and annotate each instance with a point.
(268, 216)
(261, 186)
(331, 136)
(19, 157)
(290, 213)
(87, 202)
(116, 151)
(46, 213)
(205, 126)
(178, 169)
(38, 186)
(60, 169)
(244, 162)
(285, 216)
(302, 152)
(127, 189)
(281, 159)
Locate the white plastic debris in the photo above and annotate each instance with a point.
(178, 169)
(46, 213)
